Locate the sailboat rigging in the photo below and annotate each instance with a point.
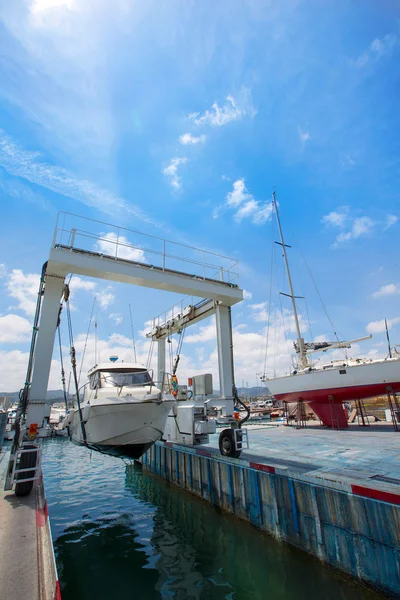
(326, 387)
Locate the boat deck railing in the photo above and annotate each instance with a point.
(90, 235)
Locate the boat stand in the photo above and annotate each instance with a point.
(394, 408)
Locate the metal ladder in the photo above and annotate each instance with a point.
(241, 438)
(394, 407)
(301, 417)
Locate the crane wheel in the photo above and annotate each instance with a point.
(227, 444)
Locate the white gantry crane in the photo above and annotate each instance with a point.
(101, 250)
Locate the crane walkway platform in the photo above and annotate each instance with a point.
(27, 567)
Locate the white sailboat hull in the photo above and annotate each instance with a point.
(319, 388)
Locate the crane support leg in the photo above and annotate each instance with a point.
(160, 359)
(225, 356)
(44, 349)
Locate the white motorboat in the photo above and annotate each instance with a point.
(122, 411)
(325, 387)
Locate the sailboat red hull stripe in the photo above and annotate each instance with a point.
(340, 394)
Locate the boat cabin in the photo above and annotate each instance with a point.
(111, 375)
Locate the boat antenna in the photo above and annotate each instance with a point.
(388, 339)
(133, 336)
(300, 342)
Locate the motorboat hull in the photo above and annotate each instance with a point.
(325, 390)
(124, 428)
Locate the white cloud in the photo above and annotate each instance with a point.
(247, 295)
(245, 205)
(259, 312)
(387, 290)
(38, 7)
(187, 138)
(377, 49)
(24, 289)
(347, 161)
(105, 297)
(336, 218)
(379, 326)
(13, 371)
(303, 135)
(361, 226)
(116, 317)
(31, 167)
(234, 109)
(77, 283)
(390, 220)
(238, 195)
(108, 245)
(171, 171)
(206, 333)
(216, 211)
(14, 329)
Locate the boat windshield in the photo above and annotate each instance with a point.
(116, 379)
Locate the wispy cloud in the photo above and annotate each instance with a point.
(31, 166)
(105, 297)
(259, 312)
(376, 50)
(245, 205)
(303, 135)
(116, 317)
(356, 227)
(234, 109)
(120, 246)
(189, 139)
(391, 220)
(387, 290)
(379, 326)
(336, 218)
(171, 172)
(361, 226)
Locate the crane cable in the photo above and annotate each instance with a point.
(73, 361)
(62, 362)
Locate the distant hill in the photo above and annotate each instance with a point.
(58, 395)
(51, 397)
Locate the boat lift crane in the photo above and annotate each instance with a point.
(81, 247)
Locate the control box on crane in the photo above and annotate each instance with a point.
(189, 422)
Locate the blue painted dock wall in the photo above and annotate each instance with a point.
(360, 536)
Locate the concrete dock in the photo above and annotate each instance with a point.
(27, 566)
(334, 494)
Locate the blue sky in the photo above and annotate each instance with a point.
(178, 119)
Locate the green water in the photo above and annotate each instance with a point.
(123, 533)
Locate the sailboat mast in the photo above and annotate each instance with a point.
(301, 348)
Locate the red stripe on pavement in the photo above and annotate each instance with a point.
(203, 453)
(261, 467)
(57, 593)
(359, 490)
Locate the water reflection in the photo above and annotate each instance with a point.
(123, 532)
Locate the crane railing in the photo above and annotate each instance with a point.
(81, 233)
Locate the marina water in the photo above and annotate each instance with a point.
(120, 532)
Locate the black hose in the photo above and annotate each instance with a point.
(239, 401)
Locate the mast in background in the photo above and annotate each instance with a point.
(300, 348)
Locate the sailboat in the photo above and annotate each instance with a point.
(122, 411)
(325, 387)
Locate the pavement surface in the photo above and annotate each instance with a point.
(19, 569)
(361, 452)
